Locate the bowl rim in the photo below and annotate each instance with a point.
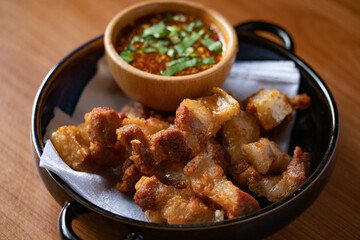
(229, 53)
(318, 172)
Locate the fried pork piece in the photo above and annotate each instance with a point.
(101, 124)
(270, 107)
(166, 204)
(209, 183)
(136, 110)
(242, 128)
(169, 144)
(171, 173)
(266, 156)
(300, 101)
(105, 157)
(196, 122)
(70, 145)
(204, 117)
(149, 126)
(130, 176)
(275, 188)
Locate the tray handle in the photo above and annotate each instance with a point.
(70, 212)
(271, 28)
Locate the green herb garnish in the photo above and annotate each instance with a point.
(126, 56)
(187, 42)
(173, 62)
(189, 63)
(212, 45)
(149, 50)
(198, 24)
(189, 27)
(173, 29)
(189, 51)
(180, 18)
(175, 39)
(171, 52)
(157, 30)
(130, 48)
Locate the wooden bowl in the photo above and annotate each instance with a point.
(166, 92)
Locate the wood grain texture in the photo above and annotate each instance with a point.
(35, 35)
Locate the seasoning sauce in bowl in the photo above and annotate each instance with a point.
(170, 44)
(161, 52)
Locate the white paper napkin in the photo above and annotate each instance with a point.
(245, 78)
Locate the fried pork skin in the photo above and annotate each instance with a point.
(275, 188)
(101, 124)
(166, 204)
(266, 156)
(195, 123)
(70, 145)
(204, 117)
(300, 101)
(270, 107)
(149, 126)
(241, 129)
(209, 183)
(130, 176)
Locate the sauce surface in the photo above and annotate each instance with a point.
(170, 44)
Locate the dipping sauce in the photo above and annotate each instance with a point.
(170, 44)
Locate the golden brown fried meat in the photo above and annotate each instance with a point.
(266, 156)
(101, 124)
(275, 188)
(136, 110)
(204, 117)
(242, 128)
(70, 145)
(105, 157)
(149, 126)
(209, 183)
(196, 122)
(130, 176)
(128, 133)
(173, 144)
(270, 107)
(166, 204)
(300, 101)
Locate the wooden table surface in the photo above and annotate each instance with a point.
(35, 35)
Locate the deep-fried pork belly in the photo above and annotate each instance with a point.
(136, 110)
(242, 128)
(300, 101)
(173, 144)
(149, 126)
(70, 145)
(271, 107)
(208, 182)
(275, 188)
(105, 157)
(266, 156)
(101, 124)
(196, 122)
(171, 173)
(166, 204)
(130, 176)
(204, 117)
